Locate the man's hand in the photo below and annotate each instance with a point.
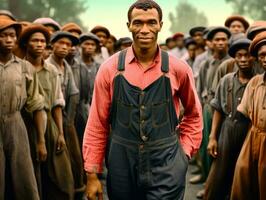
(94, 187)
(41, 152)
(60, 142)
(212, 147)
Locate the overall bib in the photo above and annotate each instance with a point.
(144, 157)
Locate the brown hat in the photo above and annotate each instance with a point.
(97, 29)
(177, 35)
(71, 27)
(7, 23)
(232, 18)
(29, 30)
(258, 41)
(7, 15)
(255, 28)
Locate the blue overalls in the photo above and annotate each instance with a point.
(144, 157)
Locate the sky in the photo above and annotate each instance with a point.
(113, 14)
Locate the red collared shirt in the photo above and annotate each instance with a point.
(183, 89)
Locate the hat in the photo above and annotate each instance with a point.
(177, 35)
(189, 41)
(46, 21)
(232, 18)
(257, 42)
(242, 43)
(29, 30)
(196, 29)
(89, 36)
(217, 29)
(124, 40)
(97, 29)
(71, 27)
(256, 28)
(7, 14)
(63, 34)
(7, 23)
(235, 37)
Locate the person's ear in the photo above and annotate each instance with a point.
(128, 26)
(161, 25)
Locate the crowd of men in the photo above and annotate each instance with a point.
(47, 75)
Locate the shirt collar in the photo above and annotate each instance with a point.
(131, 55)
(262, 80)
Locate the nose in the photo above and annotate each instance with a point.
(144, 28)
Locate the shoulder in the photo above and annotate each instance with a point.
(51, 68)
(178, 66)
(256, 81)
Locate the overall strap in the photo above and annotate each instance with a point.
(121, 60)
(165, 61)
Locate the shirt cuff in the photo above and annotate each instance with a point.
(93, 168)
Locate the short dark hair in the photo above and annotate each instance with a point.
(145, 5)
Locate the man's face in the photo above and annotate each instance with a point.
(110, 44)
(103, 37)
(237, 27)
(198, 37)
(171, 44)
(50, 28)
(220, 42)
(62, 47)
(88, 47)
(191, 51)
(36, 44)
(262, 56)
(8, 39)
(243, 60)
(144, 26)
(179, 42)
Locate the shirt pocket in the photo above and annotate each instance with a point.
(160, 114)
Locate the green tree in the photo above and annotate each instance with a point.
(60, 10)
(186, 17)
(256, 9)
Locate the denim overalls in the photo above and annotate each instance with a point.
(144, 157)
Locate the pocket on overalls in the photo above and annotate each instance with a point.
(160, 114)
(123, 114)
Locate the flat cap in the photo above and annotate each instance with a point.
(256, 43)
(63, 34)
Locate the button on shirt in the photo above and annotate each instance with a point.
(182, 83)
(19, 87)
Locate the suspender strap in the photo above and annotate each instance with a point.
(121, 60)
(164, 57)
(165, 61)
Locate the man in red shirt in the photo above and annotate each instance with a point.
(137, 94)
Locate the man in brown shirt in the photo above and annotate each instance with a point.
(250, 172)
(18, 90)
(52, 181)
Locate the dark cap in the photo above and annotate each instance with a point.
(217, 29)
(189, 41)
(63, 34)
(124, 40)
(196, 29)
(31, 29)
(89, 36)
(242, 43)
